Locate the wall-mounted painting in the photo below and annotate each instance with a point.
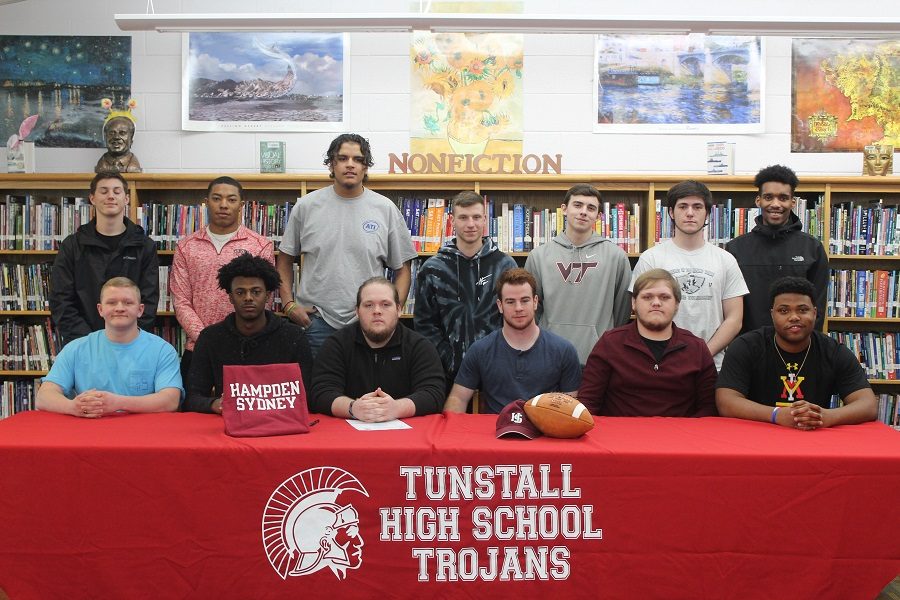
(62, 79)
(466, 93)
(679, 84)
(264, 81)
(845, 94)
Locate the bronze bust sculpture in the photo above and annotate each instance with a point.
(118, 132)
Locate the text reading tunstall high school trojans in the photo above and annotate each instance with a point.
(527, 530)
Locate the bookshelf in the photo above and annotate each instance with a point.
(638, 193)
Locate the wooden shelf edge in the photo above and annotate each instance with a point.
(22, 373)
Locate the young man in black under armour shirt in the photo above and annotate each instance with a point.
(786, 374)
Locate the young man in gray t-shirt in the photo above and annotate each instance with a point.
(345, 234)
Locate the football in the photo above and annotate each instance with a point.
(559, 415)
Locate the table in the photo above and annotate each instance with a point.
(168, 506)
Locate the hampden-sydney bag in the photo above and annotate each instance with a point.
(261, 400)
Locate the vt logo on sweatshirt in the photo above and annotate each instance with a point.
(575, 272)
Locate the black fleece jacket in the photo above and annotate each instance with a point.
(222, 344)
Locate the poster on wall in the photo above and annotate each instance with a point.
(679, 84)
(845, 94)
(62, 79)
(264, 81)
(466, 95)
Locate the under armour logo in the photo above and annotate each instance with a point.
(516, 417)
(580, 268)
(792, 366)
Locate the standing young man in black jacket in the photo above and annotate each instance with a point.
(110, 245)
(778, 247)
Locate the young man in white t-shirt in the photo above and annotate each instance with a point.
(712, 286)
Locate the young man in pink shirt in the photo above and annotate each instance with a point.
(199, 301)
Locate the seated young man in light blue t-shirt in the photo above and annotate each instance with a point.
(518, 361)
(120, 368)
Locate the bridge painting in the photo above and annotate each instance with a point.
(691, 83)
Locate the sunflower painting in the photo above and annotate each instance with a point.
(466, 93)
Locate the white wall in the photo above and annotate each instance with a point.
(558, 85)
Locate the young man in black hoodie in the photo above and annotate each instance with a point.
(778, 247)
(251, 335)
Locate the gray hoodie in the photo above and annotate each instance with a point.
(583, 289)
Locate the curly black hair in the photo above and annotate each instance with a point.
(779, 174)
(792, 285)
(349, 138)
(247, 265)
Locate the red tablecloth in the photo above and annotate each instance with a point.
(168, 506)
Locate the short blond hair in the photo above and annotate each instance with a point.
(652, 276)
(120, 282)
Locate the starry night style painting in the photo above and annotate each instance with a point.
(62, 79)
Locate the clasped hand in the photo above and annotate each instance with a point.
(808, 416)
(93, 404)
(375, 407)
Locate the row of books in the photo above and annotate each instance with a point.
(428, 222)
(515, 226)
(521, 228)
(865, 230)
(171, 331)
(17, 395)
(727, 222)
(27, 347)
(877, 352)
(410, 304)
(854, 293)
(29, 223)
(168, 223)
(889, 409)
(25, 287)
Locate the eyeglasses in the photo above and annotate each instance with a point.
(781, 197)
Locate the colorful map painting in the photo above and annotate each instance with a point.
(845, 94)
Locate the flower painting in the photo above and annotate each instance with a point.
(466, 93)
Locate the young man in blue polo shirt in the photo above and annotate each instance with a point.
(518, 361)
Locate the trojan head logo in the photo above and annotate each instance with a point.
(305, 528)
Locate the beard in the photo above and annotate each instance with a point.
(517, 327)
(377, 337)
(654, 325)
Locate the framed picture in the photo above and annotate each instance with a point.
(263, 81)
(679, 84)
(844, 94)
(63, 79)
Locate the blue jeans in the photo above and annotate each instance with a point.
(317, 332)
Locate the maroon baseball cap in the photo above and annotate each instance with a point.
(512, 420)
